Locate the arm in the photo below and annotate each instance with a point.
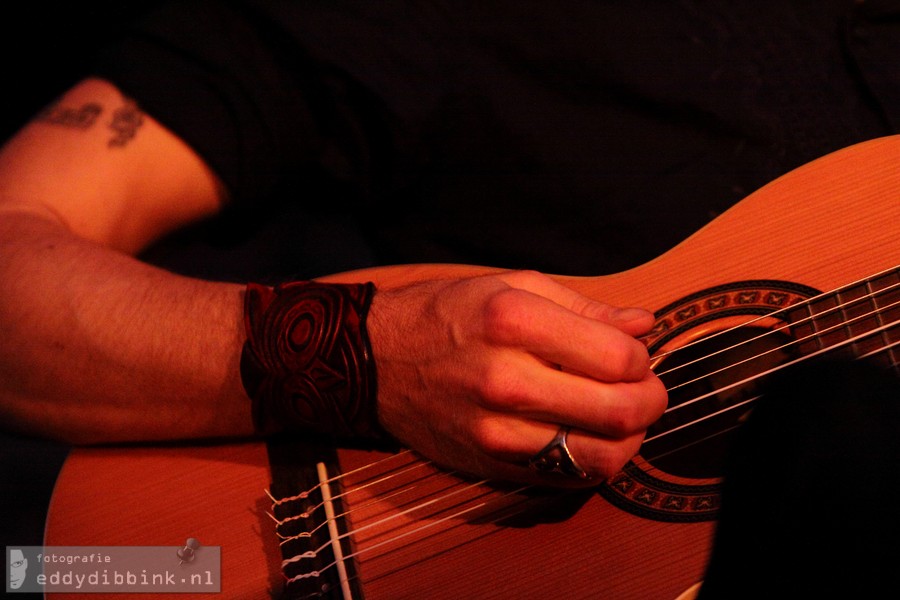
(96, 345)
(476, 372)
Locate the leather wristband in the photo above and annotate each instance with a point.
(307, 363)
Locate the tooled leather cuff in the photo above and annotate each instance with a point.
(307, 363)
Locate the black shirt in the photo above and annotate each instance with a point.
(572, 137)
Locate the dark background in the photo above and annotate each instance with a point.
(47, 46)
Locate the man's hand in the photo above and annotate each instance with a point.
(479, 374)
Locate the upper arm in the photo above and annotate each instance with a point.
(108, 172)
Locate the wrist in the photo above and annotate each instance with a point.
(307, 363)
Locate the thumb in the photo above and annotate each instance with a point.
(631, 320)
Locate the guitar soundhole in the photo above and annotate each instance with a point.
(714, 384)
(713, 350)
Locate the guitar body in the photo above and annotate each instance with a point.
(644, 534)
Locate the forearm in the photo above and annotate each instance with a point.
(97, 346)
(475, 373)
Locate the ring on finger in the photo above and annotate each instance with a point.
(556, 457)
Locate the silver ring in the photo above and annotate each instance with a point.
(557, 458)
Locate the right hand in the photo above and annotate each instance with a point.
(478, 374)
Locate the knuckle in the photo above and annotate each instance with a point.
(504, 315)
(526, 277)
(659, 397)
(641, 363)
(614, 362)
(626, 360)
(635, 409)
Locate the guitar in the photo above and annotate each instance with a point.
(804, 267)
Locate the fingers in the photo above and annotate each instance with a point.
(525, 405)
(603, 387)
(630, 320)
(561, 337)
(522, 386)
(513, 443)
(567, 329)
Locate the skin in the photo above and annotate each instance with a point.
(95, 346)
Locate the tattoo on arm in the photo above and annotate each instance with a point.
(125, 123)
(79, 118)
(126, 120)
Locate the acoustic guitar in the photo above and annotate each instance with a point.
(805, 267)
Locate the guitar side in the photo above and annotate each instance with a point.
(828, 223)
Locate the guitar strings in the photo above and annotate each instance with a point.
(377, 498)
(424, 505)
(816, 335)
(807, 302)
(394, 493)
(462, 487)
(881, 331)
(357, 488)
(412, 532)
(736, 406)
(305, 494)
(780, 367)
(781, 328)
(813, 336)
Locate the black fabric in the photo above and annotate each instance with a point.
(573, 137)
(811, 486)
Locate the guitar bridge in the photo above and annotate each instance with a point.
(311, 523)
